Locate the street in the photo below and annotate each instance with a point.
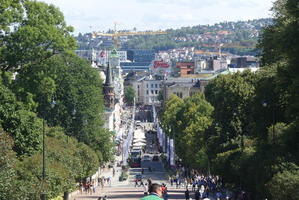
(126, 189)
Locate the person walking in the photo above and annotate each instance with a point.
(145, 189)
(165, 194)
(197, 195)
(187, 194)
(155, 192)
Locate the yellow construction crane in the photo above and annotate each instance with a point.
(117, 34)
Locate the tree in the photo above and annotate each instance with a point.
(68, 162)
(10, 12)
(193, 119)
(186, 121)
(129, 95)
(77, 91)
(231, 96)
(168, 119)
(280, 45)
(35, 38)
(24, 126)
(8, 175)
(284, 184)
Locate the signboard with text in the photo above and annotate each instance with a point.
(160, 64)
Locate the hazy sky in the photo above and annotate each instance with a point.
(91, 15)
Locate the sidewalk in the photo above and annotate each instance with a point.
(105, 172)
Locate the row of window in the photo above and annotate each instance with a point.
(179, 94)
(152, 92)
(156, 85)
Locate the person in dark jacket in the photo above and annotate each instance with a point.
(187, 194)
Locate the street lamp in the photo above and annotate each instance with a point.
(66, 191)
(44, 192)
(264, 104)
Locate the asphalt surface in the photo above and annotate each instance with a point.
(128, 191)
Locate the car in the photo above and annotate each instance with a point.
(136, 153)
(146, 158)
(135, 162)
(155, 158)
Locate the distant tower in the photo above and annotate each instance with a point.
(109, 89)
(115, 64)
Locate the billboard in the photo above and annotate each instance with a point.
(160, 64)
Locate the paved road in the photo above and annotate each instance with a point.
(127, 190)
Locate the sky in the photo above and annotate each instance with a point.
(100, 15)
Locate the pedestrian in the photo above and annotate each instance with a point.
(81, 187)
(197, 195)
(155, 192)
(149, 181)
(113, 172)
(187, 194)
(165, 195)
(193, 185)
(171, 181)
(145, 189)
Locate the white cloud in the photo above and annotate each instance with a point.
(157, 14)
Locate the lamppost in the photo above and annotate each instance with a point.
(264, 104)
(44, 192)
(66, 191)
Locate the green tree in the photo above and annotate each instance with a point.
(231, 96)
(186, 121)
(8, 175)
(279, 44)
(284, 184)
(67, 162)
(77, 91)
(40, 34)
(129, 95)
(168, 119)
(193, 119)
(10, 12)
(22, 125)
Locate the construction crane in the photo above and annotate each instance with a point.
(117, 34)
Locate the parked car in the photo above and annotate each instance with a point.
(146, 158)
(135, 162)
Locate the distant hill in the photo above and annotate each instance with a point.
(235, 37)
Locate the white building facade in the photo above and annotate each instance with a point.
(147, 90)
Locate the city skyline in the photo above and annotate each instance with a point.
(156, 14)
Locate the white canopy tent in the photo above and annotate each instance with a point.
(140, 144)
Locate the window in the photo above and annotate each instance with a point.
(146, 85)
(152, 85)
(156, 85)
(146, 91)
(156, 91)
(160, 85)
(152, 91)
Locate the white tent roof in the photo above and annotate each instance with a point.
(139, 144)
(138, 141)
